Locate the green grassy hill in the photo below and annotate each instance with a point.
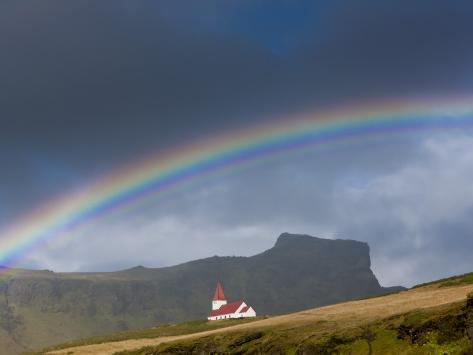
(432, 319)
(150, 333)
(40, 308)
(457, 280)
(442, 330)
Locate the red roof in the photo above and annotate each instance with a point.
(226, 309)
(218, 295)
(244, 309)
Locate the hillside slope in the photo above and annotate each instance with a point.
(427, 320)
(299, 272)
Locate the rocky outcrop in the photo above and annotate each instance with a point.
(299, 272)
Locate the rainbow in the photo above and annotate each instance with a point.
(171, 169)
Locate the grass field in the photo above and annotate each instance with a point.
(438, 330)
(342, 328)
(465, 279)
(165, 330)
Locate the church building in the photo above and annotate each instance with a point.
(223, 310)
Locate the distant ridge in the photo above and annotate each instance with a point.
(299, 272)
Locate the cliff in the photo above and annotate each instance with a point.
(38, 308)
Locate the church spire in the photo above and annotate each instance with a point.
(219, 298)
(219, 295)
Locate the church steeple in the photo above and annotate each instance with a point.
(219, 297)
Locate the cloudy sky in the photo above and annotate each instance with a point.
(90, 86)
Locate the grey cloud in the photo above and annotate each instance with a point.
(413, 210)
(88, 86)
(412, 215)
(102, 74)
(239, 214)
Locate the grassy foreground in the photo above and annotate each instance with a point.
(436, 318)
(442, 330)
(458, 280)
(155, 332)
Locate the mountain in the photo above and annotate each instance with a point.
(39, 308)
(429, 319)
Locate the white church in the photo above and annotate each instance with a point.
(222, 310)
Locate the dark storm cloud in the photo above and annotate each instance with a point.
(103, 73)
(418, 47)
(87, 86)
(99, 72)
(97, 85)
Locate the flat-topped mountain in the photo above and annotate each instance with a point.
(38, 308)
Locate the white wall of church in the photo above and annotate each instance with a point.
(238, 314)
(249, 313)
(217, 304)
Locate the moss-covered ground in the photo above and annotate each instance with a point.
(465, 279)
(442, 330)
(159, 331)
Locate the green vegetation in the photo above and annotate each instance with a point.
(465, 279)
(42, 308)
(159, 331)
(443, 330)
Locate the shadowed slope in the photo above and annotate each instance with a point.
(284, 334)
(299, 272)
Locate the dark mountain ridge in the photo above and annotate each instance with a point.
(38, 308)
